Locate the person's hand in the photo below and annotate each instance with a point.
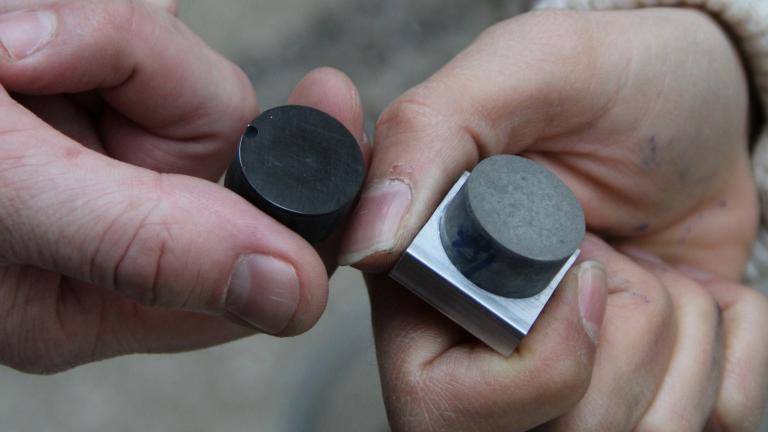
(674, 353)
(114, 237)
(644, 114)
(649, 129)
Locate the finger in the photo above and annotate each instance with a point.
(687, 394)
(426, 361)
(331, 91)
(167, 5)
(176, 106)
(497, 96)
(636, 342)
(163, 240)
(742, 398)
(66, 324)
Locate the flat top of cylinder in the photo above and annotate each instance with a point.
(525, 208)
(302, 160)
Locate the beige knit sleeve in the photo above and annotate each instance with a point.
(747, 21)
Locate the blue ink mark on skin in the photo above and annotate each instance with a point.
(642, 228)
(651, 158)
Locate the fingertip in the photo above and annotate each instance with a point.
(314, 287)
(332, 91)
(280, 261)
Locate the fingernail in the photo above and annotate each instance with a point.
(695, 273)
(24, 33)
(263, 292)
(376, 221)
(593, 288)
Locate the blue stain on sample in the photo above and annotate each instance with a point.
(474, 250)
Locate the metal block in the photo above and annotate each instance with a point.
(500, 319)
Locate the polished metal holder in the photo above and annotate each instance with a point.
(500, 322)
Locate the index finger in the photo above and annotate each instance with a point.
(175, 104)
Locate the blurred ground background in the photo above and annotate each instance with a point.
(325, 380)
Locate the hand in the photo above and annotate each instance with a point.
(651, 136)
(674, 353)
(649, 129)
(114, 238)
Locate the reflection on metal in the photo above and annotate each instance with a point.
(499, 321)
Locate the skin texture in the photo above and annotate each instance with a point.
(644, 115)
(114, 240)
(114, 237)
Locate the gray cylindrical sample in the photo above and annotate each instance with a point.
(512, 226)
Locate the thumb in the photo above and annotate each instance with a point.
(164, 240)
(508, 90)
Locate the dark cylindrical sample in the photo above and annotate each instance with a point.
(512, 226)
(301, 166)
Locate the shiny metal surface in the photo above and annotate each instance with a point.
(500, 322)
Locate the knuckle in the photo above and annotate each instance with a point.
(700, 300)
(137, 270)
(243, 105)
(412, 112)
(155, 261)
(645, 294)
(144, 234)
(22, 172)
